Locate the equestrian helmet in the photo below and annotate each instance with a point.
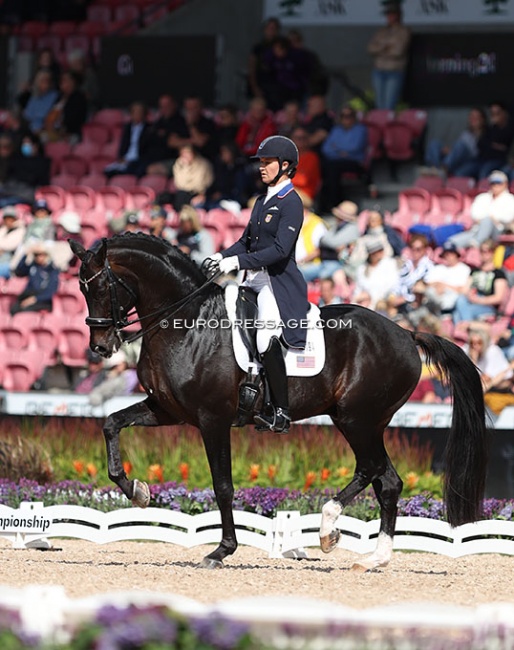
(278, 146)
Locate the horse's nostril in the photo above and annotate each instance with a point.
(100, 349)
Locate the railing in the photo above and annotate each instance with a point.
(287, 534)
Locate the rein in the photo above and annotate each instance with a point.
(119, 319)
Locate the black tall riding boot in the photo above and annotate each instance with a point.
(277, 418)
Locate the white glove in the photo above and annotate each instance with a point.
(228, 264)
(215, 257)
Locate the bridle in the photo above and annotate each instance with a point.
(119, 319)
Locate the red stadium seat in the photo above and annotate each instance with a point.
(20, 370)
(13, 336)
(398, 141)
(98, 164)
(72, 343)
(43, 340)
(110, 150)
(113, 199)
(429, 183)
(448, 203)
(62, 27)
(93, 28)
(81, 198)
(109, 117)
(416, 118)
(74, 165)
(124, 181)
(97, 133)
(415, 203)
(156, 182)
(379, 116)
(141, 197)
(69, 303)
(126, 13)
(93, 181)
(64, 181)
(34, 28)
(86, 149)
(375, 139)
(461, 183)
(56, 151)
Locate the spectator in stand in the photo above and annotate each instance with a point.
(307, 253)
(496, 142)
(231, 179)
(45, 61)
(344, 150)
(12, 232)
(492, 213)
(317, 77)
(389, 47)
(120, 379)
(159, 155)
(289, 74)
(41, 100)
(446, 281)
(93, 376)
(487, 356)
(327, 294)
(192, 238)
(415, 268)
(486, 289)
(200, 129)
(227, 124)
(6, 156)
(257, 125)
(132, 221)
(68, 227)
(192, 175)
(43, 280)
(462, 158)
(260, 79)
(41, 228)
(332, 244)
(377, 277)
(30, 166)
(289, 119)
(318, 121)
(15, 127)
(80, 66)
(133, 144)
(308, 173)
(69, 114)
(158, 227)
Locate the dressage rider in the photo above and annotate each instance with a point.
(266, 251)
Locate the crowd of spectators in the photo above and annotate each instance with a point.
(346, 254)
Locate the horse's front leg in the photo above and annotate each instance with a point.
(216, 437)
(144, 414)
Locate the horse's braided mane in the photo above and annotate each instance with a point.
(160, 248)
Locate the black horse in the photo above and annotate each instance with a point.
(190, 375)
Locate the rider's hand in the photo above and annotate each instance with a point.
(210, 265)
(229, 264)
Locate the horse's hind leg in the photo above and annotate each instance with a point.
(143, 414)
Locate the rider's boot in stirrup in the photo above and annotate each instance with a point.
(278, 418)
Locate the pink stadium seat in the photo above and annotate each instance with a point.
(429, 183)
(414, 201)
(86, 149)
(232, 234)
(113, 199)
(69, 303)
(13, 336)
(72, 343)
(64, 181)
(398, 141)
(56, 151)
(110, 150)
(125, 181)
(81, 198)
(483, 185)
(415, 118)
(94, 132)
(447, 202)
(109, 117)
(54, 195)
(379, 116)
(375, 139)
(93, 181)
(43, 340)
(461, 183)
(218, 235)
(74, 166)
(217, 217)
(141, 197)
(155, 181)
(20, 370)
(99, 163)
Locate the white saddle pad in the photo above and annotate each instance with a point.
(301, 363)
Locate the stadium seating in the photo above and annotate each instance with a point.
(81, 198)
(53, 195)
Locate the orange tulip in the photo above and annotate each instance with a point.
(78, 466)
(156, 473)
(91, 470)
(254, 472)
(343, 471)
(184, 471)
(325, 473)
(127, 467)
(272, 472)
(412, 480)
(309, 480)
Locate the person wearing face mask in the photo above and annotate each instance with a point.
(266, 252)
(30, 166)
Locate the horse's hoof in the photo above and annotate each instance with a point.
(329, 542)
(141, 496)
(209, 563)
(359, 568)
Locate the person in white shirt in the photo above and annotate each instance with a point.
(488, 357)
(446, 282)
(377, 277)
(492, 213)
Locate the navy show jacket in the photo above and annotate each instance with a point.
(269, 241)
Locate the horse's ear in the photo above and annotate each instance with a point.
(77, 248)
(101, 253)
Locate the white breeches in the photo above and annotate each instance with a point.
(268, 311)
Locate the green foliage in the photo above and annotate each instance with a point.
(310, 456)
(24, 458)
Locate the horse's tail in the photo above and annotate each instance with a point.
(467, 445)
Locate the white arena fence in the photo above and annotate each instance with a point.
(287, 534)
